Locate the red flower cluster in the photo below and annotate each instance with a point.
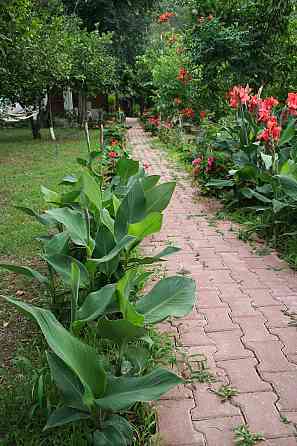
(196, 162)
(154, 120)
(165, 17)
(292, 103)
(272, 130)
(239, 95)
(184, 76)
(265, 107)
(202, 115)
(188, 113)
(210, 163)
(112, 155)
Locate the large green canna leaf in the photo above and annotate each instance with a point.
(114, 252)
(104, 244)
(57, 244)
(149, 182)
(91, 190)
(107, 220)
(288, 185)
(65, 415)
(25, 271)
(66, 381)
(50, 196)
(126, 168)
(158, 198)
(119, 331)
(96, 303)
(115, 431)
(168, 251)
(124, 391)
(132, 210)
(44, 219)
(75, 223)
(79, 357)
(171, 297)
(62, 265)
(124, 287)
(150, 225)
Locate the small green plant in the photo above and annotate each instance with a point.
(196, 369)
(244, 437)
(226, 392)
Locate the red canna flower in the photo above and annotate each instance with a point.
(292, 103)
(184, 76)
(239, 94)
(276, 132)
(165, 17)
(196, 162)
(202, 115)
(253, 103)
(264, 135)
(188, 113)
(210, 162)
(112, 154)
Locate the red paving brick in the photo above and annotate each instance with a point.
(238, 326)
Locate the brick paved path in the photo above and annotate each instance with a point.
(238, 324)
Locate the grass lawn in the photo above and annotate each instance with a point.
(25, 165)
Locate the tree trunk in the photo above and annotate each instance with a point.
(35, 125)
(82, 108)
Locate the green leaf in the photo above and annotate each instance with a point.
(158, 198)
(171, 297)
(119, 331)
(51, 196)
(126, 168)
(25, 271)
(66, 380)
(131, 210)
(79, 357)
(287, 134)
(123, 392)
(116, 203)
(65, 415)
(220, 184)
(96, 303)
(115, 431)
(124, 287)
(44, 219)
(104, 244)
(107, 220)
(278, 205)
(75, 223)
(149, 182)
(150, 225)
(75, 284)
(169, 250)
(62, 265)
(289, 186)
(114, 252)
(69, 179)
(57, 244)
(92, 191)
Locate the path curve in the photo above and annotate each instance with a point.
(238, 323)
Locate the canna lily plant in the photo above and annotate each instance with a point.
(91, 252)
